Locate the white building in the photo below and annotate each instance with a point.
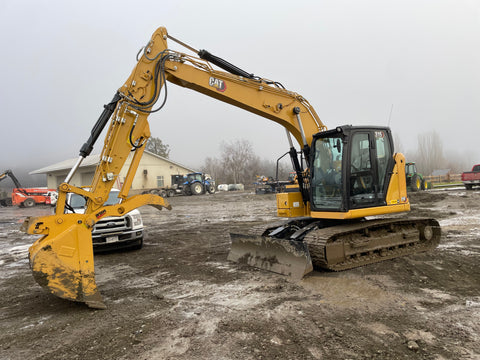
(153, 171)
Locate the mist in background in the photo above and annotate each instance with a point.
(412, 65)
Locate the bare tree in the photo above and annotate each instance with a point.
(155, 145)
(459, 162)
(398, 146)
(239, 164)
(236, 157)
(213, 167)
(429, 155)
(269, 168)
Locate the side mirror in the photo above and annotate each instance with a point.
(339, 145)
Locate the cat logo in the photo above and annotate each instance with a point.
(217, 83)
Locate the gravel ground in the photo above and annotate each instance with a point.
(179, 298)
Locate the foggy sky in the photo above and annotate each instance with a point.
(354, 61)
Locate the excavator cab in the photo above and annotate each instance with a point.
(351, 169)
(353, 173)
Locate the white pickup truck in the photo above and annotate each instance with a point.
(111, 233)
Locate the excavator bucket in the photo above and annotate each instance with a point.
(63, 264)
(287, 257)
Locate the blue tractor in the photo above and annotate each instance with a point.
(198, 183)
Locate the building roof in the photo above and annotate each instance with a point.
(91, 160)
(170, 161)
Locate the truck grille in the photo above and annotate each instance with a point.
(112, 225)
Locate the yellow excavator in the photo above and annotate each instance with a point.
(344, 175)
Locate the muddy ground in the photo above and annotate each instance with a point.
(179, 298)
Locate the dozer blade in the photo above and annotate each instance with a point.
(287, 257)
(63, 264)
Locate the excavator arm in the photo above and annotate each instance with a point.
(62, 259)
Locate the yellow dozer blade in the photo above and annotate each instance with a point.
(62, 261)
(287, 257)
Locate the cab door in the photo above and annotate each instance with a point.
(370, 159)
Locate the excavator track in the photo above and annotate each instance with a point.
(297, 247)
(348, 246)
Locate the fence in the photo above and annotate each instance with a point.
(447, 178)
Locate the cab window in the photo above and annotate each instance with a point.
(327, 179)
(362, 190)
(384, 155)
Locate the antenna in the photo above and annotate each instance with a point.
(390, 116)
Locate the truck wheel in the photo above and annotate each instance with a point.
(211, 189)
(196, 188)
(29, 202)
(170, 193)
(468, 187)
(416, 183)
(163, 193)
(6, 202)
(138, 245)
